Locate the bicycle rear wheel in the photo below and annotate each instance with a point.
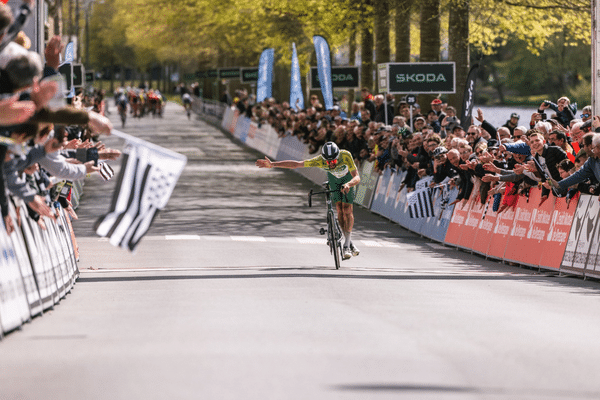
(334, 242)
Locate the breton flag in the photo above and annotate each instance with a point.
(147, 178)
(420, 203)
(106, 171)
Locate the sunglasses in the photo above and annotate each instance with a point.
(585, 115)
(332, 163)
(471, 133)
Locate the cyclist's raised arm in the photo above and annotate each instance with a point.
(266, 163)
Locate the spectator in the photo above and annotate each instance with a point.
(368, 102)
(564, 111)
(559, 139)
(586, 114)
(512, 123)
(474, 136)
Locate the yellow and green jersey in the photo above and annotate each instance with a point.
(344, 166)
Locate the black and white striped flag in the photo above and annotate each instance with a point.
(420, 203)
(106, 171)
(146, 181)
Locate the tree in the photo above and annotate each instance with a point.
(402, 28)
(458, 39)
(430, 39)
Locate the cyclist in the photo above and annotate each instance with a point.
(343, 177)
(187, 103)
(122, 107)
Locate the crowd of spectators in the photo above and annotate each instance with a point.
(556, 142)
(45, 142)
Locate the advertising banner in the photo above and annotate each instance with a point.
(249, 75)
(573, 247)
(263, 139)
(341, 78)
(436, 227)
(474, 217)
(292, 148)
(558, 233)
(457, 222)
(415, 78)
(264, 84)
(324, 70)
(485, 229)
(379, 196)
(527, 249)
(500, 234)
(368, 182)
(296, 95)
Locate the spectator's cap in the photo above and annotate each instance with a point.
(436, 102)
(336, 108)
(439, 151)
(419, 119)
(514, 115)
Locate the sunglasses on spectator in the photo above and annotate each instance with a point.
(585, 115)
(471, 133)
(479, 153)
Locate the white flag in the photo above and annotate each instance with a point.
(146, 181)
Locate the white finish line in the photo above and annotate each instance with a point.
(318, 240)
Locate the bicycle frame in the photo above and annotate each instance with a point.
(334, 233)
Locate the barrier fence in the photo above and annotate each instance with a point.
(558, 235)
(38, 266)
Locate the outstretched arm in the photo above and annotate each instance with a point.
(266, 163)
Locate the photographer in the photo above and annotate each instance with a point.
(564, 112)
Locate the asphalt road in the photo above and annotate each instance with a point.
(233, 295)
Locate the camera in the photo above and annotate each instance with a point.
(451, 119)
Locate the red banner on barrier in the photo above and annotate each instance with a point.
(558, 233)
(459, 216)
(500, 234)
(528, 235)
(485, 229)
(471, 226)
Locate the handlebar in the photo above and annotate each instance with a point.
(326, 191)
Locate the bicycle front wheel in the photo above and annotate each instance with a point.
(334, 240)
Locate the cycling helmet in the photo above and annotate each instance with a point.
(330, 151)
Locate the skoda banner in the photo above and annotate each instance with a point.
(435, 77)
(341, 78)
(249, 75)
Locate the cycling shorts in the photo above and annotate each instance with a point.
(336, 184)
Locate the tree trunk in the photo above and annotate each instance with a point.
(382, 31)
(351, 61)
(430, 42)
(458, 32)
(402, 27)
(366, 52)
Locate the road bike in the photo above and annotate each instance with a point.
(122, 114)
(188, 109)
(334, 233)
